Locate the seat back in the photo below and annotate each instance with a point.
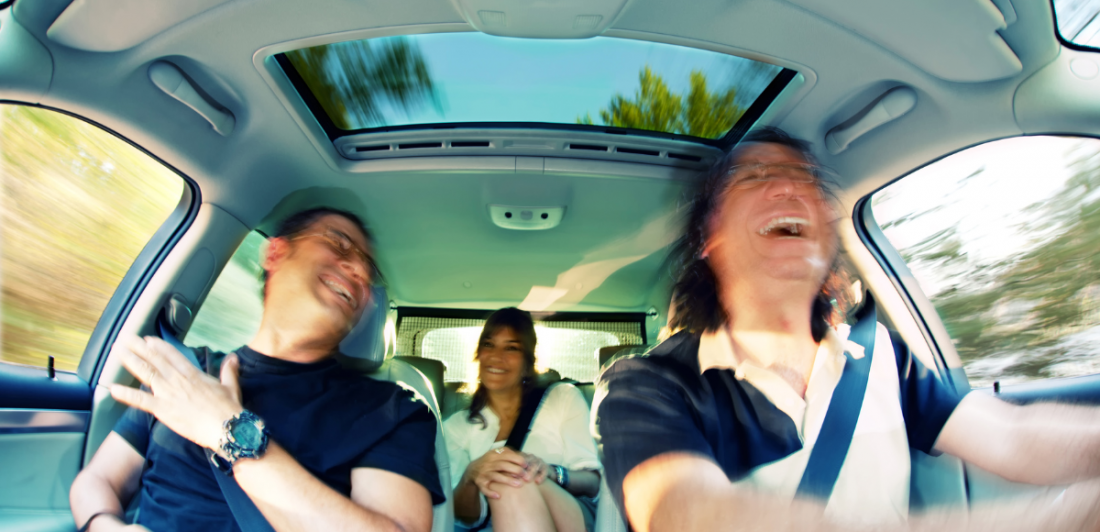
(432, 369)
(364, 350)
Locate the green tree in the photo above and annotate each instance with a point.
(654, 107)
(354, 81)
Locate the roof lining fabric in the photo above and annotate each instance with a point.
(115, 25)
(955, 40)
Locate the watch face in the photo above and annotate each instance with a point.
(246, 435)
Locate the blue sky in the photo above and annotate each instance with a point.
(485, 78)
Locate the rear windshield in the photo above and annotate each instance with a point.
(474, 78)
(566, 344)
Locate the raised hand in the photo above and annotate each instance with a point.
(183, 397)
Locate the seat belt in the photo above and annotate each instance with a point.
(528, 408)
(248, 517)
(839, 425)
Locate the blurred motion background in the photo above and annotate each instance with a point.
(78, 205)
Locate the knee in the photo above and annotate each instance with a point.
(514, 496)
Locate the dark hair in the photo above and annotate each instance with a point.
(521, 324)
(300, 221)
(695, 302)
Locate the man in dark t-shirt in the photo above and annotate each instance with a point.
(312, 445)
(714, 428)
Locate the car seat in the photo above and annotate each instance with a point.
(364, 350)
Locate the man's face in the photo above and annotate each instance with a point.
(772, 221)
(322, 273)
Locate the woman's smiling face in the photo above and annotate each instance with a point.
(500, 360)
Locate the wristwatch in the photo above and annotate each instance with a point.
(244, 436)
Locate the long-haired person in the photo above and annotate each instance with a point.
(547, 483)
(717, 428)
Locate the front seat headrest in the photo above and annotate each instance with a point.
(364, 348)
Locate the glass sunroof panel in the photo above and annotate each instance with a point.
(472, 77)
(1079, 21)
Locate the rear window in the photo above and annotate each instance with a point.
(567, 344)
(473, 78)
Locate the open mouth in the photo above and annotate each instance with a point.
(343, 292)
(785, 227)
(495, 371)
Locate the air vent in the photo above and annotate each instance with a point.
(588, 147)
(380, 147)
(635, 151)
(470, 144)
(684, 157)
(419, 145)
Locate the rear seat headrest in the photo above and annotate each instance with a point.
(365, 347)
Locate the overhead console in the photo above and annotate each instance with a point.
(955, 40)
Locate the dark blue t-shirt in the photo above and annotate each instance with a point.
(330, 419)
(660, 403)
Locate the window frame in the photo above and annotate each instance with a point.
(919, 305)
(141, 270)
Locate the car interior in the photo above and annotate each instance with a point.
(495, 169)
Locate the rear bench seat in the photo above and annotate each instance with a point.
(365, 350)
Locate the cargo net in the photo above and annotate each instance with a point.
(569, 347)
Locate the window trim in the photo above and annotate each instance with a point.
(896, 269)
(141, 271)
(479, 314)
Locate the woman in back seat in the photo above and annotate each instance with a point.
(542, 480)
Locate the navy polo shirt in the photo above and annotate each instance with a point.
(661, 403)
(330, 419)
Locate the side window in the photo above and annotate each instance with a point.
(76, 207)
(1003, 240)
(230, 316)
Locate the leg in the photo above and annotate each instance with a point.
(563, 507)
(520, 509)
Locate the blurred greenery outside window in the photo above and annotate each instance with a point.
(78, 205)
(231, 314)
(1003, 239)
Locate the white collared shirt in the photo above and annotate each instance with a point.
(873, 485)
(559, 435)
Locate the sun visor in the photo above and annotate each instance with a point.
(560, 19)
(955, 40)
(114, 25)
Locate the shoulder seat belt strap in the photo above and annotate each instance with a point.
(839, 425)
(248, 517)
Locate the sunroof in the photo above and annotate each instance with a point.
(467, 79)
(1079, 21)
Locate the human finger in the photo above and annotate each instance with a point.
(133, 397)
(503, 479)
(230, 376)
(543, 470)
(508, 455)
(504, 466)
(140, 349)
(139, 367)
(170, 355)
(483, 486)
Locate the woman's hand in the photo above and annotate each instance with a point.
(537, 468)
(501, 465)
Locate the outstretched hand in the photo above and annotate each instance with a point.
(183, 397)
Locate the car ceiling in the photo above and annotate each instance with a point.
(434, 238)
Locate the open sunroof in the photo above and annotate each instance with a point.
(476, 80)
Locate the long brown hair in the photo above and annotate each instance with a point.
(521, 324)
(695, 303)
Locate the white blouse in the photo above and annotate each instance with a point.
(559, 435)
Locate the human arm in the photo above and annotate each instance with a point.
(109, 481)
(686, 492)
(1041, 443)
(194, 405)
